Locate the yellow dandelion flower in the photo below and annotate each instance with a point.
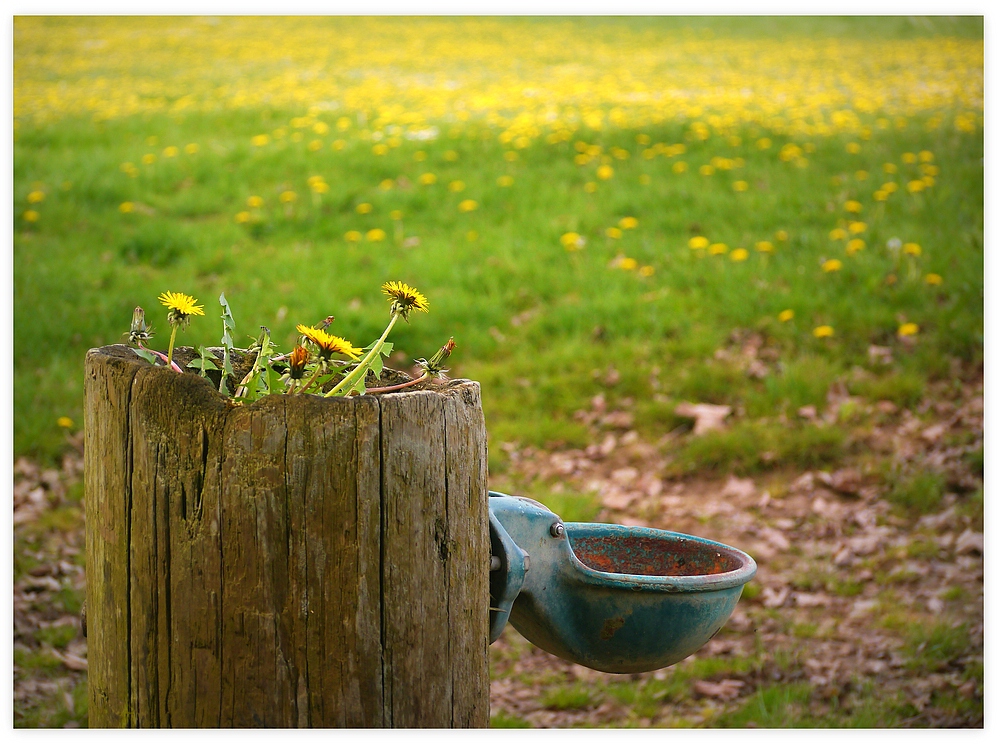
(642, 139)
(838, 234)
(786, 315)
(909, 158)
(242, 217)
(718, 249)
(890, 167)
(363, 209)
(933, 279)
(36, 196)
(628, 223)
(420, 155)
(781, 235)
(328, 344)
(338, 145)
(572, 241)
(853, 206)
(375, 235)
(451, 156)
(627, 263)
(853, 148)
(854, 245)
(646, 271)
(505, 181)
(908, 329)
(590, 187)
(613, 232)
(861, 175)
(427, 179)
(823, 331)
(352, 236)
(386, 184)
(255, 201)
(880, 195)
(510, 156)
(581, 159)
(456, 186)
(315, 145)
(191, 148)
(287, 197)
(404, 298)
(259, 140)
(467, 205)
(31, 215)
(765, 247)
(928, 170)
(739, 254)
(928, 181)
(148, 159)
(925, 156)
(321, 128)
(764, 143)
(698, 241)
(679, 167)
(380, 149)
(740, 186)
(180, 306)
(832, 265)
(64, 422)
(170, 152)
(706, 170)
(857, 227)
(319, 187)
(913, 249)
(605, 172)
(890, 187)
(396, 215)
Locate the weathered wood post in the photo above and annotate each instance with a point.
(298, 562)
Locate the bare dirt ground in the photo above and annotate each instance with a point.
(870, 616)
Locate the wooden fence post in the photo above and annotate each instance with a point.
(298, 562)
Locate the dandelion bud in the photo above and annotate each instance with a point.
(297, 362)
(139, 331)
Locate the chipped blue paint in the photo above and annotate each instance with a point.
(609, 597)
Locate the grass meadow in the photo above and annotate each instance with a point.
(591, 206)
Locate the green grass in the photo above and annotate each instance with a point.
(919, 492)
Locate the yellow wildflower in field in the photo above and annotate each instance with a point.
(853, 206)
(36, 196)
(857, 227)
(180, 306)
(854, 245)
(909, 158)
(170, 152)
(764, 143)
(375, 234)
(706, 170)
(781, 235)
(913, 249)
(853, 148)
(739, 254)
(403, 298)
(380, 149)
(628, 264)
(679, 167)
(467, 205)
(925, 156)
(928, 181)
(929, 170)
(890, 167)
(786, 315)
(861, 175)
(451, 156)
(321, 128)
(338, 145)
(765, 247)
(717, 249)
(505, 181)
(242, 217)
(832, 265)
(327, 344)
(908, 329)
(572, 241)
(890, 187)
(65, 422)
(148, 159)
(740, 186)
(31, 215)
(319, 187)
(126, 207)
(838, 234)
(698, 241)
(191, 148)
(287, 197)
(821, 332)
(255, 201)
(456, 186)
(352, 236)
(628, 223)
(880, 195)
(933, 279)
(259, 140)
(646, 271)
(642, 139)
(510, 156)
(605, 172)
(613, 232)
(364, 208)
(427, 179)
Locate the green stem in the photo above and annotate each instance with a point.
(362, 368)
(302, 388)
(170, 347)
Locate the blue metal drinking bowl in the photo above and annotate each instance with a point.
(609, 597)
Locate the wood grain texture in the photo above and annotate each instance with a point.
(299, 562)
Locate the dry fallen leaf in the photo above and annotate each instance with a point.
(706, 416)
